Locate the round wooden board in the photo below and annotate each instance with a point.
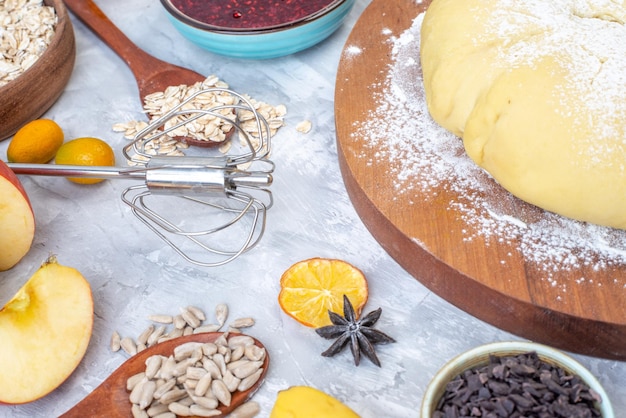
(429, 239)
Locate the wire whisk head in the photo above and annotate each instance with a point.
(209, 208)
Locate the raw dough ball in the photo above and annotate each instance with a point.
(537, 91)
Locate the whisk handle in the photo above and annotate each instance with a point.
(59, 170)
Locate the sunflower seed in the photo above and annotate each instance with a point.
(208, 349)
(137, 412)
(147, 394)
(129, 346)
(201, 411)
(135, 394)
(247, 369)
(179, 322)
(197, 312)
(212, 368)
(180, 409)
(206, 402)
(221, 392)
(238, 340)
(182, 366)
(196, 373)
(203, 385)
(222, 340)
(221, 313)
(155, 335)
(230, 381)
(132, 381)
(206, 328)
(218, 359)
(237, 354)
(175, 333)
(164, 388)
(172, 396)
(115, 342)
(190, 384)
(246, 410)
(153, 365)
(161, 319)
(250, 381)
(254, 352)
(224, 351)
(166, 414)
(185, 350)
(242, 323)
(158, 410)
(190, 318)
(167, 368)
(143, 337)
(236, 363)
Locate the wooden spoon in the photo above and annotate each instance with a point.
(152, 74)
(111, 399)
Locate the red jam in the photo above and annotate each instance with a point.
(249, 14)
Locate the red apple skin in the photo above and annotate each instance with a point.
(17, 220)
(8, 174)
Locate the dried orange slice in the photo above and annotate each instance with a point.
(310, 288)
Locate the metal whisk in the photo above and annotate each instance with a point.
(222, 199)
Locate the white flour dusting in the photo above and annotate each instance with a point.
(425, 158)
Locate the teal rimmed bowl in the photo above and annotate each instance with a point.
(262, 43)
(479, 356)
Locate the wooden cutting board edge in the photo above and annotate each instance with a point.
(517, 314)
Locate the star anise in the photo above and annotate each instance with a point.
(359, 333)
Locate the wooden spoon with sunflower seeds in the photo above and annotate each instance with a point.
(112, 399)
(152, 74)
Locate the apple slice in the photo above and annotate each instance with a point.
(44, 332)
(17, 222)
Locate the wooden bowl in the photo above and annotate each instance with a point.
(32, 93)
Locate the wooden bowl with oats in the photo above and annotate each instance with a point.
(28, 94)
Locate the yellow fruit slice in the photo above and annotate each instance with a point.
(310, 288)
(85, 151)
(45, 330)
(307, 402)
(36, 142)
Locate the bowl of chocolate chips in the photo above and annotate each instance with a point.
(515, 379)
(256, 29)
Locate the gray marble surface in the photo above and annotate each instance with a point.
(133, 274)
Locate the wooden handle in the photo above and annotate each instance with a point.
(90, 14)
(108, 400)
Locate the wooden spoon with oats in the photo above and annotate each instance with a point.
(152, 74)
(113, 400)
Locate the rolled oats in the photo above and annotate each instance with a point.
(215, 125)
(27, 30)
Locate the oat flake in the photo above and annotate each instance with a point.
(426, 157)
